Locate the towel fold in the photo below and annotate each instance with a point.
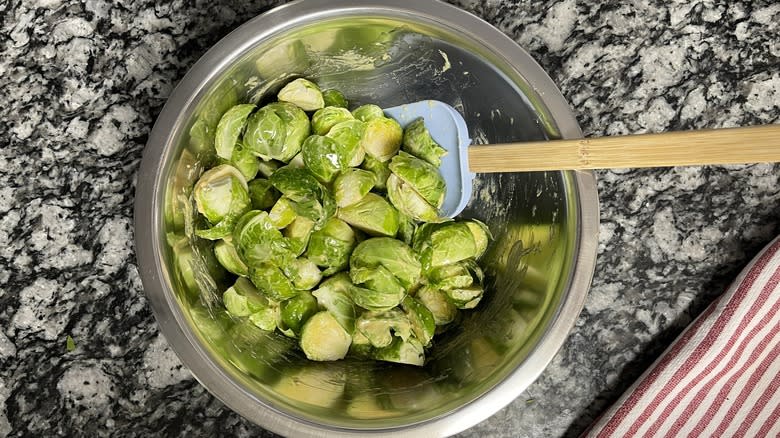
(721, 376)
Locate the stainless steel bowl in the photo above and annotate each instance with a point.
(387, 52)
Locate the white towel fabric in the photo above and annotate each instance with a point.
(721, 377)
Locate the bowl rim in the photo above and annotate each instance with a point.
(149, 239)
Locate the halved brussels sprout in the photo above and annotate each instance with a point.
(321, 156)
(409, 202)
(465, 298)
(272, 282)
(382, 138)
(276, 131)
(227, 256)
(302, 93)
(347, 135)
(367, 112)
(421, 319)
(262, 194)
(380, 327)
(243, 300)
(328, 117)
(334, 98)
(282, 213)
(333, 296)
(258, 241)
(297, 310)
(418, 142)
(482, 236)
(408, 352)
(221, 195)
(372, 214)
(444, 244)
(352, 185)
(331, 246)
(391, 254)
(229, 129)
(421, 176)
(375, 300)
(323, 338)
(298, 234)
(443, 311)
(303, 273)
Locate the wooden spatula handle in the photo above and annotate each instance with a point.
(757, 144)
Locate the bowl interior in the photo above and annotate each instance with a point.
(387, 61)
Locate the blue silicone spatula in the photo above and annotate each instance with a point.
(755, 144)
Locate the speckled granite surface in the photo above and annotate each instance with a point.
(82, 82)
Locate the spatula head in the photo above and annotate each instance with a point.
(447, 128)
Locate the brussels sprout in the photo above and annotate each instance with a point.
(328, 117)
(408, 352)
(361, 347)
(298, 234)
(270, 280)
(282, 213)
(421, 319)
(380, 327)
(421, 176)
(392, 254)
(409, 202)
(443, 311)
(242, 299)
(245, 161)
(418, 142)
(321, 156)
(303, 273)
(333, 296)
(444, 244)
(297, 310)
(227, 256)
(229, 129)
(382, 138)
(221, 195)
(258, 241)
(406, 228)
(380, 170)
(352, 185)
(481, 234)
(262, 194)
(334, 98)
(303, 93)
(372, 214)
(367, 112)
(323, 338)
(331, 246)
(276, 131)
(299, 185)
(347, 136)
(465, 298)
(458, 275)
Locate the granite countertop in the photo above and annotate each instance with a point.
(82, 82)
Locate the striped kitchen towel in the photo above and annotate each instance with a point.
(720, 378)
